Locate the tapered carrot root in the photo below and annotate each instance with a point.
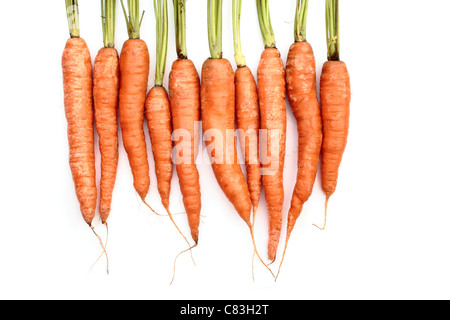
(106, 98)
(77, 77)
(218, 114)
(157, 110)
(301, 80)
(335, 98)
(248, 123)
(272, 93)
(134, 71)
(302, 94)
(184, 92)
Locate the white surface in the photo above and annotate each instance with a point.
(387, 233)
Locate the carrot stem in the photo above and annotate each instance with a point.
(180, 27)
(108, 22)
(300, 20)
(161, 40)
(332, 26)
(133, 18)
(73, 18)
(215, 28)
(265, 23)
(238, 56)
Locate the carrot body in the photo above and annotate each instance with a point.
(184, 92)
(302, 94)
(134, 71)
(77, 78)
(157, 110)
(335, 99)
(106, 100)
(218, 114)
(272, 93)
(248, 123)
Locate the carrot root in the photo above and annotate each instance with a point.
(104, 250)
(175, 261)
(325, 221)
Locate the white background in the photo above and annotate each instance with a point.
(388, 229)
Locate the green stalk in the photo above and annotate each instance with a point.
(180, 27)
(161, 40)
(108, 22)
(73, 18)
(133, 18)
(332, 26)
(301, 15)
(265, 23)
(215, 28)
(238, 56)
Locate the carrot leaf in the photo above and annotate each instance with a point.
(332, 26)
(301, 14)
(238, 56)
(265, 23)
(215, 28)
(161, 39)
(180, 27)
(108, 22)
(73, 18)
(133, 18)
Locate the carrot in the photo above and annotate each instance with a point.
(134, 72)
(335, 99)
(78, 104)
(302, 94)
(106, 99)
(184, 92)
(247, 114)
(272, 93)
(218, 114)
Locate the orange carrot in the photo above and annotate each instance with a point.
(78, 104)
(106, 100)
(247, 114)
(134, 72)
(248, 123)
(184, 92)
(302, 94)
(77, 70)
(218, 114)
(335, 99)
(272, 93)
(157, 110)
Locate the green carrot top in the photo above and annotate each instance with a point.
(108, 22)
(301, 14)
(161, 39)
(180, 27)
(332, 26)
(215, 28)
(133, 19)
(265, 24)
(238, 56)
(73, 18)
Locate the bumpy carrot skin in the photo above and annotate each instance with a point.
(184, 92)
(77, 78)
(134, 72)
(106, 101)
(218, 113)
(157, 111)
(248, 123)
(302, 94)
(335, 98)
(272, 93)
